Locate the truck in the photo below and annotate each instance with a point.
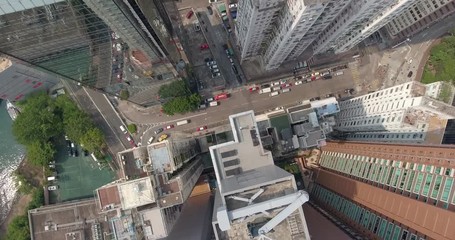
(213, 104)
(221, 96)
(265, 90)
(183, 122)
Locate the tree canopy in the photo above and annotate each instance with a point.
(175, 89)
(182, 104)
(40, 153)
(93, 140)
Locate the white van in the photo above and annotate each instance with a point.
(51, 178)
(272, 94)
(122, 128)
(213, 104)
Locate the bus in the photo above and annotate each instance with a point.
(183, 122)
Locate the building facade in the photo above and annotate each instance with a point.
(420, 15)
(357, 21)
(388, 191)
(398, 114)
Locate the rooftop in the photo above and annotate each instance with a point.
(326, 106)
(160, 156)
(133, 161)
(244, 153)
(72, 220)
(135, 193)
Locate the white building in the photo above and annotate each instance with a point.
(421, 14)
(155, 185)
(397, 114)
(357, 21)
(254, 198)
(254, 20)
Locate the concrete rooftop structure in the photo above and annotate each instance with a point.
(254, 196)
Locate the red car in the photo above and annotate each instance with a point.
(189, 14)
(169, 127)
(221, 96)
(202, 128)
(204, 46)
(253, 89)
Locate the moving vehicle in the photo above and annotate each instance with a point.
(221, 96)
(265, 90)
(213, 104)
(159, 130)
(202, 128)
(162, 137)
(273, 94)
(169, 127)
(150, 140)
(183, 122)
(52, 188)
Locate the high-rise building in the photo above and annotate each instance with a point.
(74, 39)
(357, 21)
(282, 30)
(420, 15)
(411, 112)
(254, 197)
(156, 181)
(388, 191)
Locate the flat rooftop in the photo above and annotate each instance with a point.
(160, 156)
(133, 161)
(243, 154)
(69, 221)
(135, 193)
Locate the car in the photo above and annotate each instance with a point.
(76, 153)
(86, 153)
(215, 74)
(162, 137)
(213, 66)
(169, 127)
(215, 70)
(232, 61)
(189, 14)
(128, 138)
(150, 140)
(209, 100)
(275, 83)
(283, 81)
(119, 76)
(52, 166)
(265, 86)
(234, 5)
(286, 85)
(210, 63)
(329, 95)
(202, 128)
(209, 10)
(253, 89)
(235, 69)
(70, 152)
(349, 90)
(52, 188)
(410, 74)
(298, 82)
(203, 47)
(158, 130)
(197, 28)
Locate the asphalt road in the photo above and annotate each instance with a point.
(239, 101)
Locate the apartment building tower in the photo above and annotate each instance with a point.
(419, 16)
(358, 20)
(388, 191)
(403, 113)
(254, 198)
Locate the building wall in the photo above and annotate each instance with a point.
(253, 23)
(357, 21)
(409, 187)
(420, 10)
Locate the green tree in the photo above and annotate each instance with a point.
(40, 153)
(175, 89)
(39, 120)
(132, 128)
(182, 104)
(76, 124)
(18, 228)
(22, 184)
(93, 140)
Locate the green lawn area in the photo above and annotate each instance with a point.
(441, 63)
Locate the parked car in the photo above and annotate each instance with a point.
(158, 130)
(275, 83)
(232, 61)
(211, 63)
(197, 28)
(286, 85)
(253, 89)
(299, 82)
(169, 127)
(215, 70)
(215, 74)
(150, 140)
(189, 14)
(209, 100)
(213, 66)
(203, 47)
(329, 95)
(162, 137)
(349, 90)
(283, 81)
(52, 188)
(202, 128)
(410, 74)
